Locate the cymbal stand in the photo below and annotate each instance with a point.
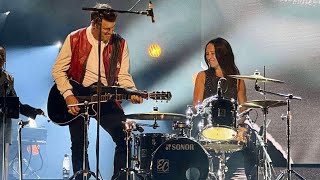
(289, 171)
(266, 160)
(85, 168)
(288, 117)
(155, 124)
(128, 169)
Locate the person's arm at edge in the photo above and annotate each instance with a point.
(198, 89)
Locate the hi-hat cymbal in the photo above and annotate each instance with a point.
(264, 103)
(255, 77)
(155, 115)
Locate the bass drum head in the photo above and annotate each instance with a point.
(180, 159)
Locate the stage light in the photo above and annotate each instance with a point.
(154, 50)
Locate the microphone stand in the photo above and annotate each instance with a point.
(148, 12)
(21, 125)
(85, 165)
(4, 122)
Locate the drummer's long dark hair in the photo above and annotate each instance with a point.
(224, 56)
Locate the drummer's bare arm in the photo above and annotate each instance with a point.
(242, 97)
(199, 88)
(71, 99)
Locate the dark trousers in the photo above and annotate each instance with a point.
(111, 121)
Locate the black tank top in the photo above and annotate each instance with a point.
(229, 87)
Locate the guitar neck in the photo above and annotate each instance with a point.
(107, 97)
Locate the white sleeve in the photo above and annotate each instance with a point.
(124, 77)
(60, 68)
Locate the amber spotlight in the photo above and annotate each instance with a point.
(154, 50)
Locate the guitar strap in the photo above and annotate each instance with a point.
(116, 49)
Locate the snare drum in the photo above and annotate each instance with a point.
(180, 158)
(146, 144)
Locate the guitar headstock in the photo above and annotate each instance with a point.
(160, 95)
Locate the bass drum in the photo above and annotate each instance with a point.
(146, 144)
(180, 159)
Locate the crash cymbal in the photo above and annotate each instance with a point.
(255, 77)
(155, 115)
(264, 103)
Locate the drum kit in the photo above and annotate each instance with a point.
(184, 156)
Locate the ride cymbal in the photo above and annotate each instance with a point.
(155, 115)
(255, 77)
(263, 103)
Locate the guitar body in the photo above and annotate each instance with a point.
(58, 110)
(57, 107)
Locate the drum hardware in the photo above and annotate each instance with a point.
(289, 171)
(264, 105)
(183, 128)
(265, 161)
(156, 115)
(256, 77)
(222, 168)
(129, 126)
(261, 146)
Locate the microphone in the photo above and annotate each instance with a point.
(243, 113)
(150, 12)
(219, 87)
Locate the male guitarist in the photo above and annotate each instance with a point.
(78, 60)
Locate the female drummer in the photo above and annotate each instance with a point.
(220, 60)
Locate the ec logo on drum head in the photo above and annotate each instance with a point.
(163, 166)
